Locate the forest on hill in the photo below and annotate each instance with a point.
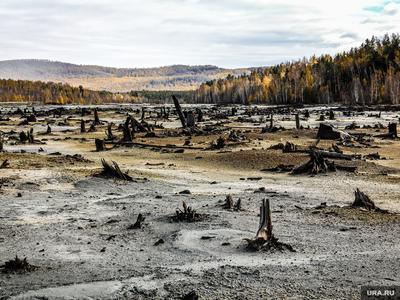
(58, 93)
(116, 80)
(369, 74)
(54, 93)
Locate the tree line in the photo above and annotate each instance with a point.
(54, 93)
(369, 74)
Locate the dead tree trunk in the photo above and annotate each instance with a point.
(200, 117)
(128, 134)
(297, 121)
(31, 138)
(393, 130)
(109, 133)
(179, 111)
(331, 115)
(1, 143)
(143, 113)
(99, 145)
(96, 117)
(265, 227)
(83, 129)
(265, 239)
(190, 119)
(23, 137)
(271, 122)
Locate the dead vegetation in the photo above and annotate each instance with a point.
(17, 265)
(112, 170)
(188, 214)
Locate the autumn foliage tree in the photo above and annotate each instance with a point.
(369, 74)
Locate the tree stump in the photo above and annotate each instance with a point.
(1, 143)
(99, 145)
(363, 201)
(265, 239)
(190, 119)
(83, 129)
(331, 115)
(96, 117)
(297, 121)
(393, 130)
(138, 224)
(109, 133)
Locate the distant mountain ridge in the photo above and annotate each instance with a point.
(175, 77)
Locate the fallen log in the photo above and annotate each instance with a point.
(336, 155)
(153, 146)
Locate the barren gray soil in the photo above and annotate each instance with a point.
(74, 228)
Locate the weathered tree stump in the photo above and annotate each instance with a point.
(331, 115)
(4, 164)
(265, 240)
(127, 132)
(23, 138)
(31, 138)
(228, 202)
(190, 119)
(392, 130)
(113, 171)
(200, 117)
(138, 224)
(99, 145)
(109, 133)
(297, 121)
(83, 129)
(96, 117)
(92, 127)
(363, 201)
(317, 164)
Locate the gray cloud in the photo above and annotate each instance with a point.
(229, 33)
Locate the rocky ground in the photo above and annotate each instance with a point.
(74, 226)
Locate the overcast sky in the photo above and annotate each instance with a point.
(227, 33)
